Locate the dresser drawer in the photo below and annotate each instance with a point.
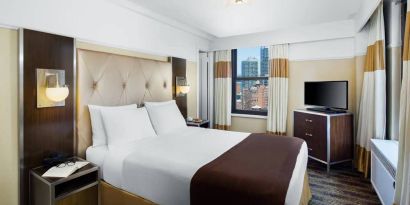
(317, 146)
(312, 128)
(301, 125)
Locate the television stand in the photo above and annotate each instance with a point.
(329, 137)
(325, 110)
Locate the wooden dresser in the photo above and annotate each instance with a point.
(329, 137)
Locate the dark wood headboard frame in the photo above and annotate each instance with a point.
(43, 130)
(179, 69)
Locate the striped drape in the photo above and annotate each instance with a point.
(278, 89)
(402, 195)
(372, 108)
(222, 90)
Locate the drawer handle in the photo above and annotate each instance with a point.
(310, 149)
(308, 134)
(308, 120)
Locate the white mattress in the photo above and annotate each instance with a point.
(160, 168)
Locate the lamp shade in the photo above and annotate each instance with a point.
(57, 94)
(240, 1)
(184, 89)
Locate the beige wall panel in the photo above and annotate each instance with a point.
(192, 78)
(359, 72)
(318, 70)
(243, 124)
(118, 51)
(8, 117)
(359, 63)
(299, 72)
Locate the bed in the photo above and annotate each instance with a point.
(161, 169)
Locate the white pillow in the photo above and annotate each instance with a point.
(97, 126)
(123, 126)
(165, 116)
(162, 103)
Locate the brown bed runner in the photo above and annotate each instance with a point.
(256, 171)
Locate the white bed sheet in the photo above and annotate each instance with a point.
(160, 168)
(96, 155)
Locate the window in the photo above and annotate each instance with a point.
(250, 80)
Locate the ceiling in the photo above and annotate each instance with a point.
(222, 18)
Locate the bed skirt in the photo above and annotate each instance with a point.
(111, 195)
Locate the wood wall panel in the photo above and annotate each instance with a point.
(46, 130)
(179, 69)
(342, 137)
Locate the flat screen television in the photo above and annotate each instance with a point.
(327, 95)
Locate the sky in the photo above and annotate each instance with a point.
(244, 53)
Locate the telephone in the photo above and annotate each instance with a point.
(55, 158)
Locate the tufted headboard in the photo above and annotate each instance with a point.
(110, 80)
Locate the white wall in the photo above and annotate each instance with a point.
(103, 22)
(116, 23)
(324, 41)
(361, 41)
(340, 48)
(334, 40)
(319, 32)
(326, 49)
(366, 10)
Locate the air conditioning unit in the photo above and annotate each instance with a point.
(384, 156)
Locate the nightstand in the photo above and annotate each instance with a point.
(80, 188)
(204, 124)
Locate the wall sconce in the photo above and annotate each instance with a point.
(51, 88)
(182, 88)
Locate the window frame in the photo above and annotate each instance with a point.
(235, 78)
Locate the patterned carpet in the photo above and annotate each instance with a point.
(341, 186)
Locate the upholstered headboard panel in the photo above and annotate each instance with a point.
(110, 80)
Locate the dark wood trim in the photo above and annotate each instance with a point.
(179, 69)
(46, 130)
(341, 141)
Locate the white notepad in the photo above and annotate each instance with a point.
(64, 171)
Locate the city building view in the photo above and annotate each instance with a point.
(252, 79)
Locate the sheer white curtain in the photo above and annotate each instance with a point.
(372, 108)
(278, 89)
(222, 89)
(402, 195)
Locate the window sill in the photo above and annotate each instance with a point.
(249, 116)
